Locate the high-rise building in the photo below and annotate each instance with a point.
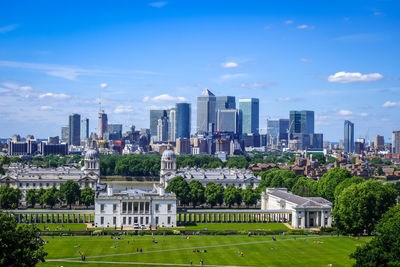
(162, 128)
(65, 134)
(183, 120)
(348, 142)
(379, 142)
(277, 130)
(341, 146)
(206, 115)
(171, 124)
(301, 122)
(74, 129)
(115, 131)
(47, 148)
(225, 102)
(183, 145)
(103, 126)
(249, 115)
(396, 142)
(228, 121)
(85, 128)
(155, 115)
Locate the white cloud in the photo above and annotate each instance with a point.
(56, 96)
(363, 114)
(344, 112)
(123, 109)
(305, 60)
(390, 104)
(289, 21)
(229, 65)
(8, 28)
(255, 85)
(103, 85)
(227, 77)
(158, 4)
(15, 86)
(25, 88)
(305, 26)
(164, 98)
(285, 99)
(46, 107)
(353, 77)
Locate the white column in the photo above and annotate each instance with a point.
(322, 218)
(307, 213)
(303, 220)
(329, 219)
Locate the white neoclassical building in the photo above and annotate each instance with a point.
(32, 177)
(306, 212)
(223, 176)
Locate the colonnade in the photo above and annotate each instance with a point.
(55, 217)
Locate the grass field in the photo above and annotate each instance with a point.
(237, 226)
(221, 250)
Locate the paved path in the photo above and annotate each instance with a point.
(78, 259)
(140, 263)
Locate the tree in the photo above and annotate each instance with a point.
(180, 187)
(196, 192)
(50, 197)
(214, 194)
(9, 197)
(360, 206)
(329, 181)
(31, 197)
(19, 245)
(249, 196)
(231, 195)
(2, 171)
(346, 183)
(379, 171)
(383, 249)
(239, 198)
(70, 191)
(305, 187)
(40, 193)
(87, 196)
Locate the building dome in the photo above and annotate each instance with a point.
(91, 154)
(168, 154)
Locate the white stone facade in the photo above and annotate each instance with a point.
(307, 212)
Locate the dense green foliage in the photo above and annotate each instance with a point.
(19, 246)
(87, 196)
(196, 192)
(180, 187)
(346, 183)
(250, 196)
(375, 160)
(31, 197)
(384, 248)
(9, 197)
(329, 181)
(45, 161)
(305, 187)
(360, 206)
(70, 192)
(214, 194)
(232, 195)
(278, 178)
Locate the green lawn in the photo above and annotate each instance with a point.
(61, 227)
(237, 226)
(221, 250)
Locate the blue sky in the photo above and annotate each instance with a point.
(338, 58)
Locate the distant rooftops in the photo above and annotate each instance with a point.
(305, 202)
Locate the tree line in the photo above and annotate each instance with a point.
(44, 161)
(69, 193)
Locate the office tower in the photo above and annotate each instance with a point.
(183, 120)
(379, 142)
(249, 115)
(74, 129)
(348, 137)
(277, 130)
(182, 145)
(341, 146)
(206, 115)
(227, 121)
(115, 131)
(155, 115)
(64, 134)
(396, 142)
(85, 128)
(53, 140)
(47, 148)
(225, 102)
(103, 126)
(316, 141)
(301, 122)
(171, 124)
(162, 128)
(16, 138)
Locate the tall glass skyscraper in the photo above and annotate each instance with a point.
(227, 121)
(65, 134)
(103, 125)
(249, 115)
(396, 142)
(348, 136)
(115, 131)
(85, 128)
(225, 102)
(301, 122)
(206, 112)
(183, 120)
(277, 130)
(155, 115)
(74, 129)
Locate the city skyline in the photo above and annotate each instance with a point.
(343, 66)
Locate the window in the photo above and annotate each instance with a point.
(135, 207)
(114, 207)
(34, 184)
(114, 220)
(101, 220)
(47, 184)
(169, 207)
(135, 220)
(141, 220)
(169, 220)
(156, 220)
(102, 207)
(20, 184)
(124, 220)
(130, 207)
(123, 207)
(130, 220)
(157, 207)
(147, 220)
(40, 184)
